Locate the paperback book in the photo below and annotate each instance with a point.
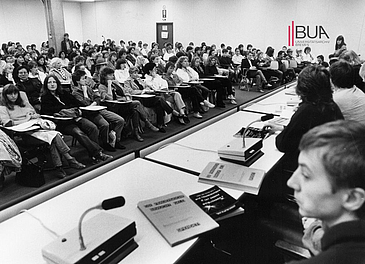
(176, 217)
(215, 202)
(233, 176)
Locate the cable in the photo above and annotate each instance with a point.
(199, 149)
(40, 221)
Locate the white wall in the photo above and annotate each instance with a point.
(73, 20)
(23, 21)
(260, 22)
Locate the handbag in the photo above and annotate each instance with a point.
(31, 175)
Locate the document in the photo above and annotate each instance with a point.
(176, 217)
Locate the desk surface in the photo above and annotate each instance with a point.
(193, 152)
(22, 237)
(276, 104)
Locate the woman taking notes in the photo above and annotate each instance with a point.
(16, 111)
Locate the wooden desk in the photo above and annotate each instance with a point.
(192, 153)
(22, 237)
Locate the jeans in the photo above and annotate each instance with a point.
(194, 95)
(175, 99)
(115, 120)
(85, 132)
(58, 147)
(160, 106)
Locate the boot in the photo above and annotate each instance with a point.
(137, 136)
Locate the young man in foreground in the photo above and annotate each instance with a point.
(329, 184)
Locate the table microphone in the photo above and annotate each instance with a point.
(261, 119)
(108, 204)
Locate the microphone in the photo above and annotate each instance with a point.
(112, 203)
(108, 204)
(267, 117)
(261, 119)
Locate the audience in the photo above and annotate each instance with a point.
(103, 119)
(349, 98)
(54, 100)
(16, 111)
(110, 89)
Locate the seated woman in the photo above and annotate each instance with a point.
(112, 60)
(189, 92)
(136, 86)
(308, 57)
(104, 119)
(121, 71)
(16, 111)
(263, 63)
(156, 82)
(340, 47)
(64, 60)
(42, 64)
(188, 74)
(34, 72)
(62, 74)
(216, 85)
(31, 86)
(54, 100)
(7, 76)
(317, 107)
(211, 69)
(110, 89)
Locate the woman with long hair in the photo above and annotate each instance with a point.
(212, 85)
(17, 111)
(54, 100)
(340, 47)
(211, 69)
(188, 74)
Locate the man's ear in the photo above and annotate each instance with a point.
(355, 199)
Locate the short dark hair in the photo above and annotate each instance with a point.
(119, 62)
(103, 73)
(344, 155)
(168, 65)
(76, 76)
(314, 85)
(321, 57)
(342, 74)
(148, 67)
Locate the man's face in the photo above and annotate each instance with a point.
(313, 190)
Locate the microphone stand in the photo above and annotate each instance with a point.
(244, 132)
(81, 239)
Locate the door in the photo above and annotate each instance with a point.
(164, 33)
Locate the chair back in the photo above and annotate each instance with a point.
(293, 64)
(362, 72)
(274, 65)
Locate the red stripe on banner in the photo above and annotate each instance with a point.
(292, 35)
(288, 35)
